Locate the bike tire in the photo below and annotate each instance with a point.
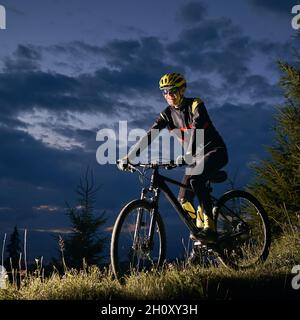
(119, 227)
(261, 215)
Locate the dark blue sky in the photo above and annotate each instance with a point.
(68, 69)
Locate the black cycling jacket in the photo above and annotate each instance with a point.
(191, 114)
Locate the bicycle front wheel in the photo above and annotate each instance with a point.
(138, 240)
(243, 230)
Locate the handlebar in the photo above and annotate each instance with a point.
(155, 165)
(168, 166)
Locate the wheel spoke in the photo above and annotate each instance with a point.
(242, 231)
(131, 247)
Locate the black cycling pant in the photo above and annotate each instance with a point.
(214, 160)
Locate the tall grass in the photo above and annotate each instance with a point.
(174, 281)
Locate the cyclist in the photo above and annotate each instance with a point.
(188, 113)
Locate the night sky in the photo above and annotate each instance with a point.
(70, 68)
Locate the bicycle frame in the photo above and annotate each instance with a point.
(157, 184)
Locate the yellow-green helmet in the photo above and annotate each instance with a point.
(172, 80)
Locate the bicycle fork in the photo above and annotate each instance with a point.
(148, 241)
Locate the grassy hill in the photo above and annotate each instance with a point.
(175, 281)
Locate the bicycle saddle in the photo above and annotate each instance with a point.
(218, 177)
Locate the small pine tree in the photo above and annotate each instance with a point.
(84, 243)
(13, 250)
(277, 181)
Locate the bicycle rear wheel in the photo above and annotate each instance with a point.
(134, 247)
(243, 230)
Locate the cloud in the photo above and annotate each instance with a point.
(20, 91)
(25, 58)
(74, 48)
(25, 159)
(137, 66)
(209, 33)
(58, 230)
(120, 52)
(62, 94)
(25, 86)
(47, 208)
(28, 52)
(192, 12)
(28, 91)
(283, 51)
(215, 46)
(221, 55)
(258, 87)
(283, 7)
(220, 58)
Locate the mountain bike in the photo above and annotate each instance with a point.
(139, 239)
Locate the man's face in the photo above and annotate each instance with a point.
(173, 96)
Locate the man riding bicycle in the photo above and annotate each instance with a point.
(188, 114)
